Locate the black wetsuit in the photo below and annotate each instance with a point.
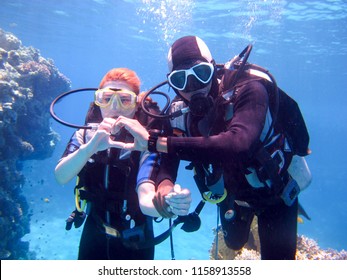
(233, 144)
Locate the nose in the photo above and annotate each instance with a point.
(193, 84)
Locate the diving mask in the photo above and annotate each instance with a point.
(203, 72)
(125, 99)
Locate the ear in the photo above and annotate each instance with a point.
(140, 96)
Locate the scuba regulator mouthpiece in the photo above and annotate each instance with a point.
(200, 105)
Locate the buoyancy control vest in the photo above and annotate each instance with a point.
(288, 119)
(108, 180)
(284, 141)
(207, 176)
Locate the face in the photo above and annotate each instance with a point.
(116, 99)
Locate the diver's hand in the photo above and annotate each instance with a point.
(101, 141)
(136, 129)
(179, 200)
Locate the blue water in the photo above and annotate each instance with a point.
(303, 43)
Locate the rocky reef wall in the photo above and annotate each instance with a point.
(28, 84)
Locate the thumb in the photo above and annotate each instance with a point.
(177, 188)
(121, 145)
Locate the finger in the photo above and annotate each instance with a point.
(131, 125)
(181, 205)
(177, 188)
(101, 133)
(185, 191)
(178, 192)
(104, 126)
(115, 129)
(178, 196)
(125, 124)
(110, 121)
(125, 121)
(121, 145)
(169, 195)
(180, 212)
(116, 144)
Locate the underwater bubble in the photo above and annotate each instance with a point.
(169, 17)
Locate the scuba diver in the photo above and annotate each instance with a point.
(240, 132)
(118, 197)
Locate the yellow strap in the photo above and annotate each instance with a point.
(111, 231)
(208, 197)
(79, 206)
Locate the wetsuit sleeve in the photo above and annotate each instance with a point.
(74, 144)
(148, 169)
(169, 163)
(168, 168)
(241, 136)
(155, 168)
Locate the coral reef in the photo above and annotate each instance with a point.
(28, 84)
(307, 249)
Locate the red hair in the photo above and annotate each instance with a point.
(122, 74)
